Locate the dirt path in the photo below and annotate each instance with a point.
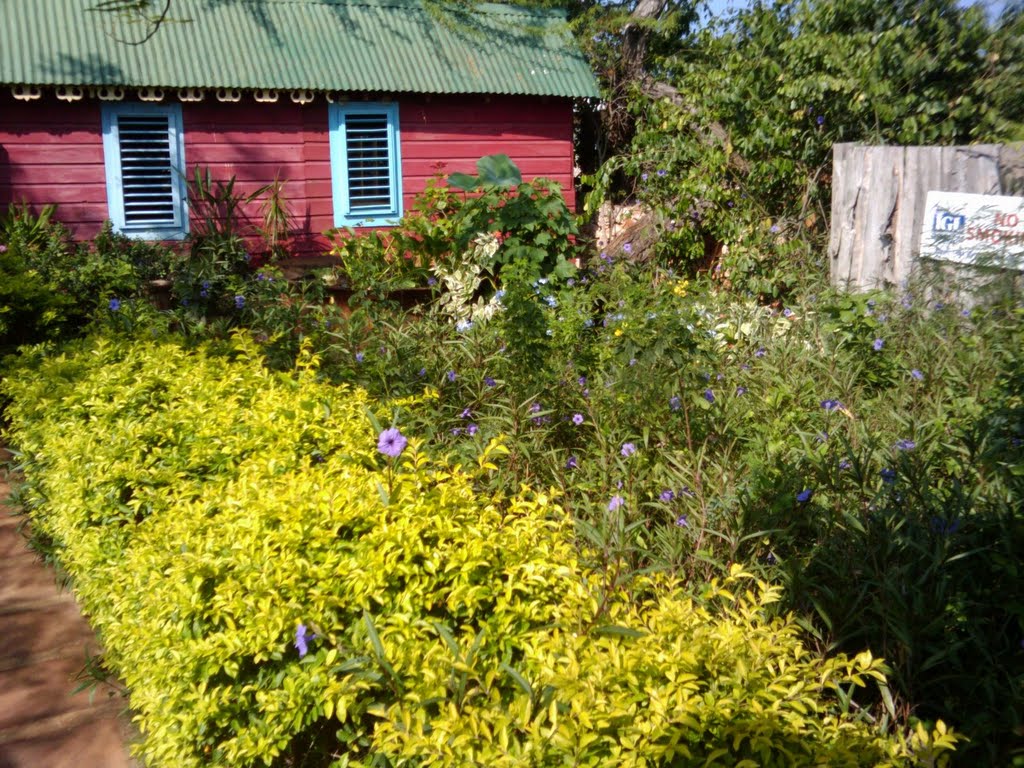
(43, 642)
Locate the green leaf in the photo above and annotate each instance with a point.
(498, 171)
(463, 181)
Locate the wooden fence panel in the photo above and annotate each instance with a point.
(878, 202)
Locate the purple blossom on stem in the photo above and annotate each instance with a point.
(616, 502)
(740, 391)
(682, 522)
(916, 375)
(391, 442)
(490, 382)
(115, 304)
(359, 357)
(572, 463)
(675, 403)
(667, 496)
(805, 495)
(760, 352)
(471, 429)
(831, 405)
(628, 449)
(877, 344)
(239, 302)
(302, 639)
(888, 476)
(905, 445)
(451, 376)
(709, 395)
(577, 419)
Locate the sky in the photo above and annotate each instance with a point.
(718, 7)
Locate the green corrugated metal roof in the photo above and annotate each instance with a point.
(322, 45)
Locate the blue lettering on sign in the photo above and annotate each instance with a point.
(946, 221)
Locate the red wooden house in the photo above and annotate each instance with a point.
(354, 103)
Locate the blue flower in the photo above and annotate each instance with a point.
(774, 228)
(115, 304)
(628, 449)
(820, 120)
(805, 495)
(905, 445)
(391, 442)
(572, 463)
(302, 639)
(844, 464)
(662, 172)
(422, 372)
(451, 376)
(628, 247)
(682, 522)
(360, 357)
(787, 312)
(740, 391)
(239, 302)
(877, 344)
(888, 476)
(471, 429)
(463, 325)
(760, 352)
(667, 496)
(916, 375)
(675, 403)
(616, 502)
(577, 419)
(709, 395)
(831, 405)
(490, 382)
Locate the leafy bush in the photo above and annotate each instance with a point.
(277, 588)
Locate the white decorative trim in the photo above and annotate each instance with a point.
(265, 95)
(151, 94)
(191, 94)
(25, 92)
(69, 92)
(302, 96)
(110, 93)
(229, 95)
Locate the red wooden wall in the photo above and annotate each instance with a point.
(52, 151)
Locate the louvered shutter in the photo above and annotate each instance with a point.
(365, 164)
(145, 184)
(147, 173)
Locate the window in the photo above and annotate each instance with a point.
(365, 164)
(145, 160)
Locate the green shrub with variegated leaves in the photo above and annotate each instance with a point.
(276, 587)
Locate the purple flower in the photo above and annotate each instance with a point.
(582, 381)
(675, 403)
(628, 449)
(682, 522)
(422, 372)
(431, 281)
(451, 376)
(466, 414)
(628, 247)
(359, 357)
(239, 302)
(115, 304)
(946, 527)
(844, 464)
(457, 431)
(916, 375)
(572, 463)
(471, 429)
(787, 312)
(535, 408)
(905, 445)
(760, 352)
(577, 419)
(820, 120)
(662, 172)
(302, 638)
(616, 502)
(489, 381)
(643, 177)
(888, 476)
(878, 344)
(805, 495)
(709, 395)
(821, 437)
(774, 228)
(831, 405)
(740, 391)
(391, 442)
(3, 249)
(667, 496)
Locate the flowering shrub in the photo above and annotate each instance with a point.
(279, 581)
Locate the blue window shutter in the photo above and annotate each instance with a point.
(366, 164)
(144, 154)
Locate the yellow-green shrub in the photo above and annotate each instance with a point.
(205, 508)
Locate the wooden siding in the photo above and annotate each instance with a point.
(52, 151)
